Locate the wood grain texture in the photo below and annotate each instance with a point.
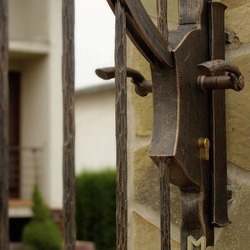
(4, 220)
(121, 127)
(68, 82)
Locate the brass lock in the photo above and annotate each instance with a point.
(204, 145)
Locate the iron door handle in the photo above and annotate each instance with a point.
(233, 80)
(142, 86)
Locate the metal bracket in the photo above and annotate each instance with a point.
(188, 140)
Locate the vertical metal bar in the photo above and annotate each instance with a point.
(68, 81)
(218, 120)
(4, 159)
(162, 18)
(163, 167)
(121, 126)
(165, 204)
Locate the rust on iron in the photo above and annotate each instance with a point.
(187, 110)
(162, 19)
(4, 159)
(142, 86)
(164, 171)
(144, 34)
(234, 80)
(165, 203)
(230, 81)
(68, 85)
(218, 121)
(121, 127)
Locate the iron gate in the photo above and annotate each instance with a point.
(171, 56)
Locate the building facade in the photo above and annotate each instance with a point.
(35, 51)
(95, 127)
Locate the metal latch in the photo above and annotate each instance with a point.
(188, 82)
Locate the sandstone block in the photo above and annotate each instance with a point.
(143, 106)
(147, 235)
(146, 180)
(236, 235)
(237, 18)
(237, 111)
(146, 186)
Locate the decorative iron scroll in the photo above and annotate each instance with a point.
(4, 218)
(188, 114)
(68, 81)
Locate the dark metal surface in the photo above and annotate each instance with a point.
(164, 167)
(186, 117)
(68, 82)
(144, 34)
(165, 203)
(162, 20)
(234, 80)
(218, 121)
(109, 73)
(230, 81)
(142, 86)
(4, 161)
(121, 126)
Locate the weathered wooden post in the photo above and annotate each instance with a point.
(68, 81)
(4, 219)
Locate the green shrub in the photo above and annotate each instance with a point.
(41, 233)
(95, 208)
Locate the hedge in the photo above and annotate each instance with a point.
(95, 208)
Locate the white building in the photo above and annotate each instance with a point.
(95, 127)
(35, 51)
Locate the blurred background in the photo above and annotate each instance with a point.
(35, 95)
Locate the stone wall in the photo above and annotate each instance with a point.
(143, 181)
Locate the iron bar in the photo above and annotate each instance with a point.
(165, 204)
(218, 120)
(68, 82)
(4, 219)
(162, 22)
(121, 127)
